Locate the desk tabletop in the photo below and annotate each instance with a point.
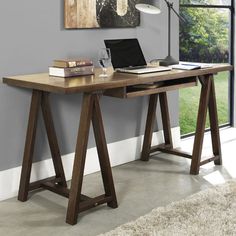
(92, 83)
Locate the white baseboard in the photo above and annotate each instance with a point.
(120, 152)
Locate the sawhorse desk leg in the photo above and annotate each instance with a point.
(207, 102)
(150, 124)
(39, 98)
(90, 111)
(57, 184)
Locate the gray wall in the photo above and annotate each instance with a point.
(32, 35)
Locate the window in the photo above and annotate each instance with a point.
(207, 36)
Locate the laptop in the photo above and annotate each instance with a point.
(127, 57)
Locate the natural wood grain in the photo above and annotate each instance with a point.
(40, 98)
(165, 119)
(168, 149)
(93, 202)
(70, 13)
(214, 158)
(86, 14)
(125, 92)
(79, 161)
(38, 184)
(201, 121)
(207, 101)
(116, 92)
(59, 189)
(52, 139)
(80, 14)
(29, 146)
(57, 184)
(103, 155)
(214, 126)
(41, 83)
(94, 82)
(146, 150)
(151, 115)
(90, 112)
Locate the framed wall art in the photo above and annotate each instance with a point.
(80, 14)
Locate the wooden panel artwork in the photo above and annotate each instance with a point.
(100, 14)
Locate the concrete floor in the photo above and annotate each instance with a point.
(140, 187)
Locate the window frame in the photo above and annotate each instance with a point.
(231, 58)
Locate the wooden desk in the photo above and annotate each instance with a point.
(117, 85)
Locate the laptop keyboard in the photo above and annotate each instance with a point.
(135, 67)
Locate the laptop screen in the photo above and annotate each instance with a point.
(125, 53)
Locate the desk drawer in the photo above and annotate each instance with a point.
(158, 87)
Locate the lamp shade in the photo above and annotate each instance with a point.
(148, 6)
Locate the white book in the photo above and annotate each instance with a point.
(71, 71)
(190, 65)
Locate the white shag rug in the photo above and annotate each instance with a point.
(211, 212)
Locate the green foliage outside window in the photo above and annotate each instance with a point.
(205, 35)
(207, 2)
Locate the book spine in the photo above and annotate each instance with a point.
(70, 72)
(83, 71)
(78, 69)
(71, 64)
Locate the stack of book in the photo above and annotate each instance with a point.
(71, 67)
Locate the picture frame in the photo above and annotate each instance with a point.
(87, 14)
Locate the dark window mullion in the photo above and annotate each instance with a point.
(232, 74)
